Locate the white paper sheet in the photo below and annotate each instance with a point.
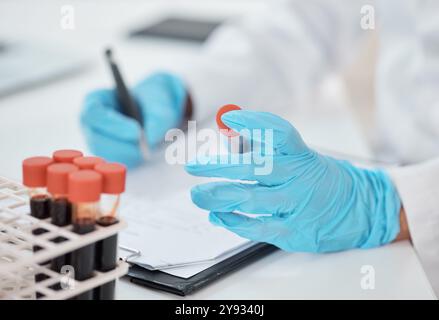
(175, 232)
(190, 270)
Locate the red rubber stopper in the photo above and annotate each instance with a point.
(34, 171)
(223, 128)
(66, 155)
(113, 176)
(58, 177)
(87, 163)
(84, 186)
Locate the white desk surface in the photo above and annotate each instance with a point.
(41, 120)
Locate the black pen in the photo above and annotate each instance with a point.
(129, 106)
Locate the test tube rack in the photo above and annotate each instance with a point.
(19, 265)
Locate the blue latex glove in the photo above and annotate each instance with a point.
(315, 203)
(115, 137)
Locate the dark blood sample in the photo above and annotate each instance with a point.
(106, 254)
(106, 250)
(106, 221)
(83, 262)
(40, 206)
(61, 212)
(113, 176)
(85, 188)
(61, 208)
(34, 177)
(63, 260)
(86, 295)
(40, 209)
(37, 232)
(83, 226)
(106, 257)
(83, 259)
(36, 248)
(105, 291)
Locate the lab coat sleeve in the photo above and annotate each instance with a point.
(269, 59)
(418, 187)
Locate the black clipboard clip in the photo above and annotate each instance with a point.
(133, 253)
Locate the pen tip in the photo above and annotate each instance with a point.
(109, 53)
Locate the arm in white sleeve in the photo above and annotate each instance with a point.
(271, 58)
(418, 187)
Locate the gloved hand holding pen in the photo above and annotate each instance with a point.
(314, 203)
(163, 100)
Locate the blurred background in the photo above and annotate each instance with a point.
(51, 56)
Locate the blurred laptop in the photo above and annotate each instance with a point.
(178, 28)
(24, 65)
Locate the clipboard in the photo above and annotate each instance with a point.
(184, 286)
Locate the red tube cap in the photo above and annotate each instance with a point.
(85, 186)
(58, 177)
(87, 162)
(223, 128)
(66, 155)
(114, 175)
(34, 171)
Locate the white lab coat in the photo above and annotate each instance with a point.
(271, 58)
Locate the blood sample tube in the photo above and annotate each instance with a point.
(34, 177)
(113, 178)
(85, 188)
(234, 141)
(66, 155)
(60, 209)
(87, 163)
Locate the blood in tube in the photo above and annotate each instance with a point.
(61, 208)
(57, 186)
(34, 178)
(113, 178)
(84, 194)
(40, 206)
(61, 212)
